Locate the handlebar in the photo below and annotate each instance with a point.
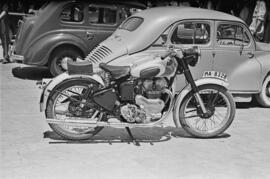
(179, 52)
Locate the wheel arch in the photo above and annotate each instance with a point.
(267, 74)
(261, 97)
(63, 46)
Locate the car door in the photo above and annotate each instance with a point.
(234, 55)
(102, 20)
(72, 21)
(190, 33)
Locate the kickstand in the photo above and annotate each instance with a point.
(132, 138)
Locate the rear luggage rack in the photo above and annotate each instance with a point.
(85, 67)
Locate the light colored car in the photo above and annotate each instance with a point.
(225, 41)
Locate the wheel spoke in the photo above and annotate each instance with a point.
(213, 101)
(60, 112)
(218, 118)
(190, 111)
(74, 92)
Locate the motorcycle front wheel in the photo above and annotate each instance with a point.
(65, 103)
(221, 111)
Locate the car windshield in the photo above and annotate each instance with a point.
(131, 24)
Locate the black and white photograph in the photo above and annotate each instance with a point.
(135, 89)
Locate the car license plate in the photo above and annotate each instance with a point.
(215, 74)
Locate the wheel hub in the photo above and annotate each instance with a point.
(64, 62)
(210, 112)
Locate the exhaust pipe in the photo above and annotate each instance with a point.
(87, 123)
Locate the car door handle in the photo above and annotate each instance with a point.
(214, 54)
(89, 35)
(250, 55)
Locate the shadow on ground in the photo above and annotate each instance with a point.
(142, 135)
(252, 104)
(31, 73)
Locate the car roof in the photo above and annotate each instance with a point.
(186, 13)
(111, 2)
(157, 20)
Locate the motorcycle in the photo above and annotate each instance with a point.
(79, 103)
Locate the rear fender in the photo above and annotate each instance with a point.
(40, 48)
(59, 80)
(187, 89)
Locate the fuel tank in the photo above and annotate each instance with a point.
(153, 66)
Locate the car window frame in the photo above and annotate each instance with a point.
(205, 21)
(72, 22)
(251, 44)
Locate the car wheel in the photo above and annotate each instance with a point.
(59, 59)
(263, 98)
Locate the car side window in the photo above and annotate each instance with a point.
(72, 13)
(191, 33)
(102, 15)
(232, 35)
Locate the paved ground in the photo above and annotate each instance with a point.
(243, 152)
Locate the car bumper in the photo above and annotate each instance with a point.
(14, 57)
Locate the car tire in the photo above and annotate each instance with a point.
(263, 98)
(59, 58)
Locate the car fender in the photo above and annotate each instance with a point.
(53, 83)
(43, 46)
(263, 59)
(187, 89)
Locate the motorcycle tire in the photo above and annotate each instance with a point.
(218, 122)
(66, 131)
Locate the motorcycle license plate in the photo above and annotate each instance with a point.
(215, 74)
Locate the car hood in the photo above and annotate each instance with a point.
(262, 47)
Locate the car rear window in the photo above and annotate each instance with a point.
(132, 23)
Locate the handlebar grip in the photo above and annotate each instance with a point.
(168, 53)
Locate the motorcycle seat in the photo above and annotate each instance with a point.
(115, 71)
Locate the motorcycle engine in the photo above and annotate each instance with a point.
(148, 103)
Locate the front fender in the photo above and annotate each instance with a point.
(187, 89)
(58, 80)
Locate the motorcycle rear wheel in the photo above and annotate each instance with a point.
(60, 111)
(223, 112)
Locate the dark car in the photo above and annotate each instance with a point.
(62, 31)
